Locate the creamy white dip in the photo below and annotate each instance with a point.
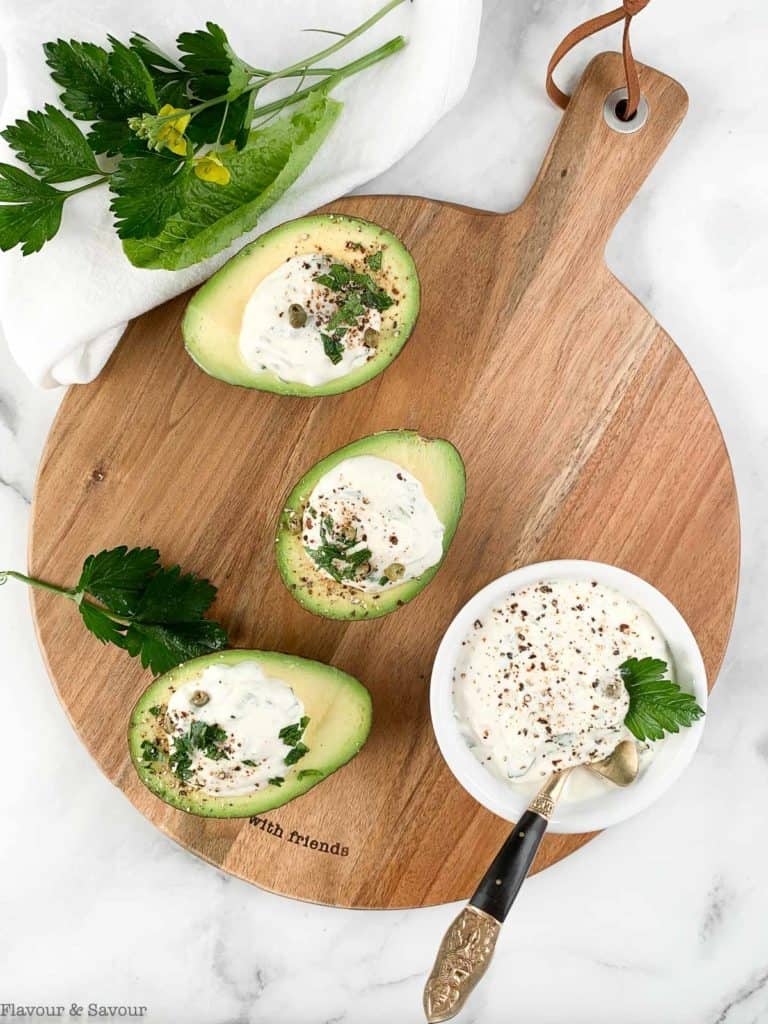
(296, 354)
(251, 708)
(537, 688)
(366, 503)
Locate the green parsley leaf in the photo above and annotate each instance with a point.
(213, 66)
(309, 773)
(162, 647)
(203, 736)
(296, 753)
(357, 293)
(373, 259)
(173, 597)
(147, 190)
(332, 347)
(656, 704)
(180, 759)
(207, 737)
(277, 781)
(212, 216)
(156, 711)
(52, 145)
(170, 79)
(117, 577)
(149, 751)
(33, 212)
(251, 764)
(149, 611)
(337, 277)
(106, 87)
(340, 557)
(102, 626)
(222, 123)
(291, 734)
(215, 70)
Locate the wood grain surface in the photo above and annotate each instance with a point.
(585, 435)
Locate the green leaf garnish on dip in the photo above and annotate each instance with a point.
(656, 704)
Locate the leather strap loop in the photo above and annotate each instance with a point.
(626, 12)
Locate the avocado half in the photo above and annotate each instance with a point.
(211, 325)
(339, 710)
(439, 468)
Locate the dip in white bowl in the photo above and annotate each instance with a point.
(537, 687)
(479, 727)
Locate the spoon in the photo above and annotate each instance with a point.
(468, 945)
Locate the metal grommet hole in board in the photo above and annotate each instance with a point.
(613, 107)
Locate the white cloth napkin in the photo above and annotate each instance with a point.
(62, 310)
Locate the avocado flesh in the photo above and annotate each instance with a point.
(439, 468)
(338, 706)
(211, 325)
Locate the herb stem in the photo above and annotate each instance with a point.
(305, 67)
(84, 188)
(31, 581)
(322, 54)
(339, 74)
(69, 592)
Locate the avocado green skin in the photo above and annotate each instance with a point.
(197, 327)
(421, 456)
(350, 707)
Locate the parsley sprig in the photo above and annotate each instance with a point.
(656, 704)
(340, 556)
(152, 612)
(175, 128)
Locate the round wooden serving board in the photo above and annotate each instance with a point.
(585, 435)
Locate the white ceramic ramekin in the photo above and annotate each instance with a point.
(611, 804)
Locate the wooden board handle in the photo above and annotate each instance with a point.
(591, 171)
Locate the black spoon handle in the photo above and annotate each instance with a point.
(501, 883)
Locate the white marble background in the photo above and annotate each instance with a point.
(661, 920)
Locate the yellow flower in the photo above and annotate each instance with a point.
(210, 168)
(170, 134)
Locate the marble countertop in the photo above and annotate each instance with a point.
(662, 919)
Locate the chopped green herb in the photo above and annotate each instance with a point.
(251, 764)
(203, 736)
(337, 277)
(309, 773)
(332, 347)
(656, 704)
(156, 711)
(384, 580)
(357, 293)
(277, 781)
(337, 554)
(296, 754)
(291, 734)
(149, 751)
(373, 259)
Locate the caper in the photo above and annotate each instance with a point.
(362, 570)
(199, 698)
(294, 521)
(169, 725)
(297, 315)
(394, 571)
(371, 337)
